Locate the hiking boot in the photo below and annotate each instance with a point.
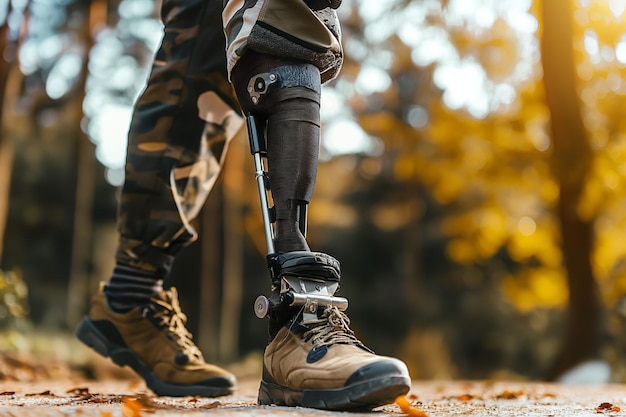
(320, 363)
(154, 342)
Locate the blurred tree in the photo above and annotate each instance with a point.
(78, 291)
(571, 162)
(10, 75)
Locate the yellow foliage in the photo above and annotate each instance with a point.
(375, 123)
(499, 172)
(548, 191)
(536, 288)
(405, 168)
(609, 256)
(609, 250)
(608, 27)
(477, 235)
(13, 295)
(449, 188)
(391, 217)
(540, 244)
(462, 251)
(331, 213)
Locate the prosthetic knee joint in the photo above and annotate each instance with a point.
(281, 101)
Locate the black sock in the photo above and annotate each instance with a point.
(131, 287)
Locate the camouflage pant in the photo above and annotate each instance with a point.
(186, 116)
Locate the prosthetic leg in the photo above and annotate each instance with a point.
(281, 101)
(300, 279)
(313, 358)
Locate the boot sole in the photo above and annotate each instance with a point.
(89, 334)
(364, 395)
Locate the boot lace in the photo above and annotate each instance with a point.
(331, 328)
(170, 316)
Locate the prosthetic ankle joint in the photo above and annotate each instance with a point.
(303, 280)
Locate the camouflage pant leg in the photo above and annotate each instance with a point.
(286, 29)
(178, 136)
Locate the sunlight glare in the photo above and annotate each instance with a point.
(461, 12)
(620, 50)
(346, 137)
(464, 85)
(332, 103)
(433, 46)
(607, 53)
(115, 176)
(617, 7)
(108, 130)
(372, 80)
(591, 43)
(527, 226)
(63, 75)
(130, 9)
(417, 116)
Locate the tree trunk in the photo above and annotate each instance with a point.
(9, 90)
(571, 162)
(211, 261)
(233, 253)
(78, 286)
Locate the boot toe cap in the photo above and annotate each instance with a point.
(388, 368)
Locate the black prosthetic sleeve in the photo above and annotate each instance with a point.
(293, 131)
(291, 106)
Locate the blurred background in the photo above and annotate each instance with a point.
(472, 184)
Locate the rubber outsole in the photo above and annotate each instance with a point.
(364, 395)
(89, 334)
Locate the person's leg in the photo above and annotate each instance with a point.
(179, 132)
(313, 359)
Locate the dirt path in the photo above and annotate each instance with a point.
(125, 398)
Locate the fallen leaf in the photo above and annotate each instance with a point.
(78, 391)
(101, 399)
(133, 406)
(608, 408)
(408, 409)
(214, 404)
(509, 395)
(465, 397)
(46, 393)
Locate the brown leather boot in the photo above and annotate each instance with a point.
(321, 364)
(155, 343)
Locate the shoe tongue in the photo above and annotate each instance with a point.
(301, 322)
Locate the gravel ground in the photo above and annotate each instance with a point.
(124, 398)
